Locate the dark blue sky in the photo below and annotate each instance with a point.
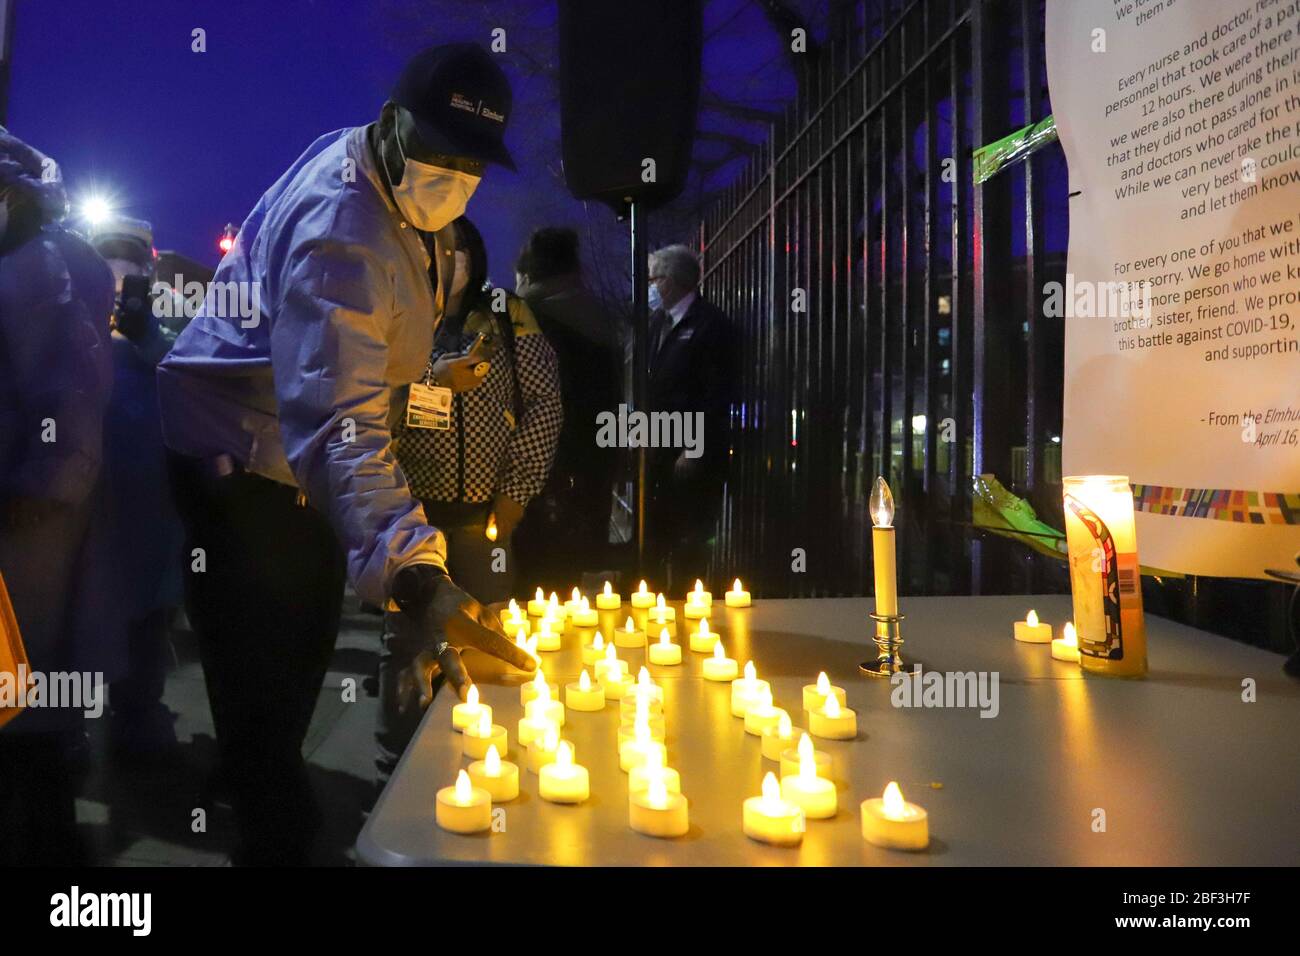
(190, 140)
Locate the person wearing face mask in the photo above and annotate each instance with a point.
(275, 403)
(477, 468)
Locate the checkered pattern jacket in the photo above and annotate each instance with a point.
(487, 452)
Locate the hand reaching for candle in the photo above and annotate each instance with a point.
(448, 619)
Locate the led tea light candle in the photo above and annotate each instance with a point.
(638, 778)
(510, 610)
(814, 695)
(594, 651)
(656, 812)
(1030, 631)
(762, 715)
(530, 728)
(617, 684)
(661, 611)
(584, 615)
(555, 609)
(813, 794)
(769, 819)
(1066, 647)
(737, 596)
(463, 808)
(778, 739)
(563, 781)
(745, 690)
(608, 599)
(1105, 577)
(464, 714)
(833, 721)
(645, 689)
(542, 750)
(609, 665)
(532, 689)
(584, 695)
(661, 617)
(500, 778)
(719, 666)
(641, 598)
(515, 627)
(664, 652)
(703, 640)
(477, 738)
(698, 595)
(537, 606)
(548, 638)
(792, 758)
(893, 823)
(883, 549)
(574, 601)
(629, 636)
(632, 752)
(652, 724)
(545, 707)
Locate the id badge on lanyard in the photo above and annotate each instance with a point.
(429, 406)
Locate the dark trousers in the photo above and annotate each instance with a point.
(265, 606)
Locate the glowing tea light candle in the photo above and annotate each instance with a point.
(656, 812)
(462, 715)
(698, 595)
(893, 823)
(555, 609)
(1032, 632)
(530, 728)
(629, 636)
(574, 602)
(516, 627)
(584, 695)
(609, 665)
(661, 612)
(563, 781)
(537, 606)
(532, 689)
(638, 778)
(720, 667)
(542, 750)
(1066, 647)
(642, 712)
(641, 598)
(584, 615)
(664, 652)
(645, 689)
(500, 778)
(661, 618)
(608, 599)
(777, 740)
(745, 690)
(632, 752)
(792, 759)
(769, 819)
(703, 640)
(594, 651)
(883, 548)
(833, 721)
(813, 794)
(463, 808)
(548, 638)
(477, 738)
(653, 725)
(814, 695)
(545, 707)
(617, 684)
(762, 716)
(737, 596)
(510, 611)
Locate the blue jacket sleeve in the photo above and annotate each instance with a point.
(329, 353)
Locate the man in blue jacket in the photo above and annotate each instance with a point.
(275, 404)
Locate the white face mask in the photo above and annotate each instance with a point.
(430, 197)
(656, 300)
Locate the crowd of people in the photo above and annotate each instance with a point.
(383, 417)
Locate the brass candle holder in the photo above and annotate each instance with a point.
(889, 640)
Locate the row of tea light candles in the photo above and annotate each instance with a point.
(1032, 631)
(656, 804)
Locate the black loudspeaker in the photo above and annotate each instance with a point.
(629, 91)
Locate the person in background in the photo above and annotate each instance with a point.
(146, 534)
(692, 357)
(56, 295)
(478, 468)
(567, 529)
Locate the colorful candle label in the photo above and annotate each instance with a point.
(1118, 581)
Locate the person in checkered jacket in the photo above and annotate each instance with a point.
(484, 465)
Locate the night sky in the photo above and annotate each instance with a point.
(190, 140)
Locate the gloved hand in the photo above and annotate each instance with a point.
(450, 619)
(456, 372)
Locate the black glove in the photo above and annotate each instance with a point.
(450, 619)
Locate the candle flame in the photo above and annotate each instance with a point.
(657, 793)
(643, 678)
(513, 607)
(544, 628)
(490, 532)
(471, 697)
(807, 758)
(764, 700)
(576, 595)
(642, 589)
(1032, 618)
(881, 505)
(492, 762)
(1069, 635)
(751, 675)
(735, 586)
(484, 724)
(539, 596)
(704, 627)
(584, 682)
(823, 684)
(832, 707)
(718, 654)
(564, 754)
(608, 590)
(894, 805)
(599, 642)
(464, 789)
(663, 637)
(771, 788)
(784, 729)
(530, 645)
(585, 605)
(555, 600)
(551, 739)
(611, 654)
(699, 586)
(629, 626)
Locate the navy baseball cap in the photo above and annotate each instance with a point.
(460, 101)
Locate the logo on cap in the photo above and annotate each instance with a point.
(461, 102)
